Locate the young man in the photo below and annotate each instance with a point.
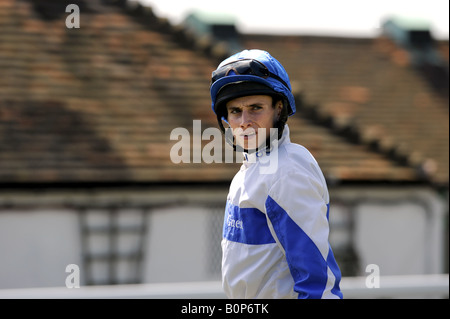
(275, 233)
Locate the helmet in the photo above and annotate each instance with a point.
(250, 72)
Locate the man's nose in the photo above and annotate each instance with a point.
(246, 121)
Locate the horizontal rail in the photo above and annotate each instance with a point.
(406, 286)
(413, 286)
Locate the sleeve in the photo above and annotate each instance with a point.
(297, 208)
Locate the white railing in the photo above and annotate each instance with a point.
(405, 287)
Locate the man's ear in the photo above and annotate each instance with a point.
(279, 108)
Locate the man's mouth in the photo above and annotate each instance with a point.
(248, 134)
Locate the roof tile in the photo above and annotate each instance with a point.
(99, 103)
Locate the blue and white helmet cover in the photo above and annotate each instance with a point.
(270, 62)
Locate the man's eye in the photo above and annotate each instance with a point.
(234, 111)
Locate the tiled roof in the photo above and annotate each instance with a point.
(368, 87)
(98, 103)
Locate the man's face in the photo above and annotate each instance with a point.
(248, 115)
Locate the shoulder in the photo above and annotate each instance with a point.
(297, 168)
(295, 158)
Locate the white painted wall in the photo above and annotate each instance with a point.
(177, 247)
(36, 246)
(400, 230)
(394, 237)
(392, 230)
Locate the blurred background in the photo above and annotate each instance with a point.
(89, 99)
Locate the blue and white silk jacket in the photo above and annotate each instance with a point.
(275, 233)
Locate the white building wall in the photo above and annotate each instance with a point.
(36, 246)
(177, 246)
(394, 237)
(400, 230)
